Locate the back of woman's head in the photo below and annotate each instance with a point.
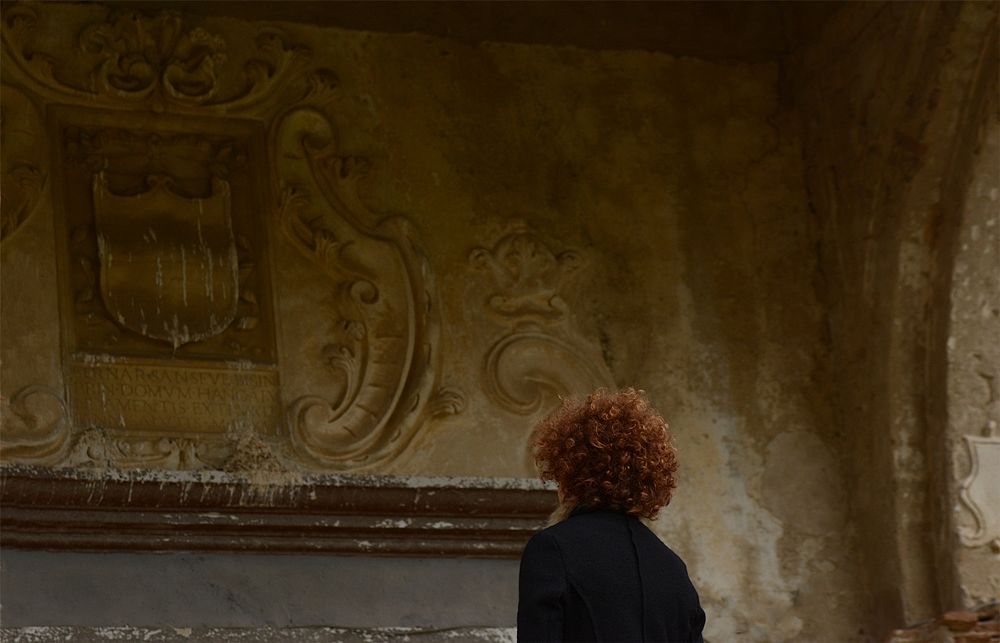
(609, 450)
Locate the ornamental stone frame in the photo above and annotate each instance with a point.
(174, 183)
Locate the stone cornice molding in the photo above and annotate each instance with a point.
(120, 510)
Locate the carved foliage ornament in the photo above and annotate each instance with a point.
(540, 357)
(134, 58)
(386, 347)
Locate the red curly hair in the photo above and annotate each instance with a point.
(610, 450)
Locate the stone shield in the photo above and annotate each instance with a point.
(168, 264)
(980, 490)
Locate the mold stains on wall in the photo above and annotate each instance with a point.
(890, 127)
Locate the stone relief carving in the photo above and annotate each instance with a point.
(192, 260)
(170, 343)
(540, 356)
(95, 447)
(159, 254)
(24, 159)
(385, 347)
(980, 491)
(34, 426)
(132, 57)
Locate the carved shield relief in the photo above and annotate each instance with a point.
(167, 306)
(980, 491)
(169, 269)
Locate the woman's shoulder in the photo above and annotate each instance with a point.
(588, 526)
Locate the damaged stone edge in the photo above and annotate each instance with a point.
(117, 510)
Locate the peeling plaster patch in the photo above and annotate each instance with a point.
(731, 543)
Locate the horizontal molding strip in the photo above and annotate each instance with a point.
(119, 510)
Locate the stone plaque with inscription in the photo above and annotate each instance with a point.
(167, 316)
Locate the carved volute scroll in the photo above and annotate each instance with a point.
(384, 352)
(540, 356)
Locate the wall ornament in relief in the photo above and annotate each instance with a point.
(540, 357)
(528, 275)
(34, 426)
(156, 60)
(167, 156)
(165, 252)
(95, 447)
(169, 267)
(980, 491)
(189, 252)
(24, 159)
(384, 350)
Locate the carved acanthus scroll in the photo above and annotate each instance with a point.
(384, 351)
(540, 356)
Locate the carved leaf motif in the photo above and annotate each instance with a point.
(94, 447)
(528, 274)
(447, 401)
(540, 358)
(383, 342)
(138, 58)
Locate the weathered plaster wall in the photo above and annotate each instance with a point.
(891, 97)
(973, 348)
(680, 184)
(660, 210)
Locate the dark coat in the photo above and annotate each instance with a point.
(604, 576)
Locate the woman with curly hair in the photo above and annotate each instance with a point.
(598, 573)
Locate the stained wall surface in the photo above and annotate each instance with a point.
(896, 145)
(973, 359)
(547, 219)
